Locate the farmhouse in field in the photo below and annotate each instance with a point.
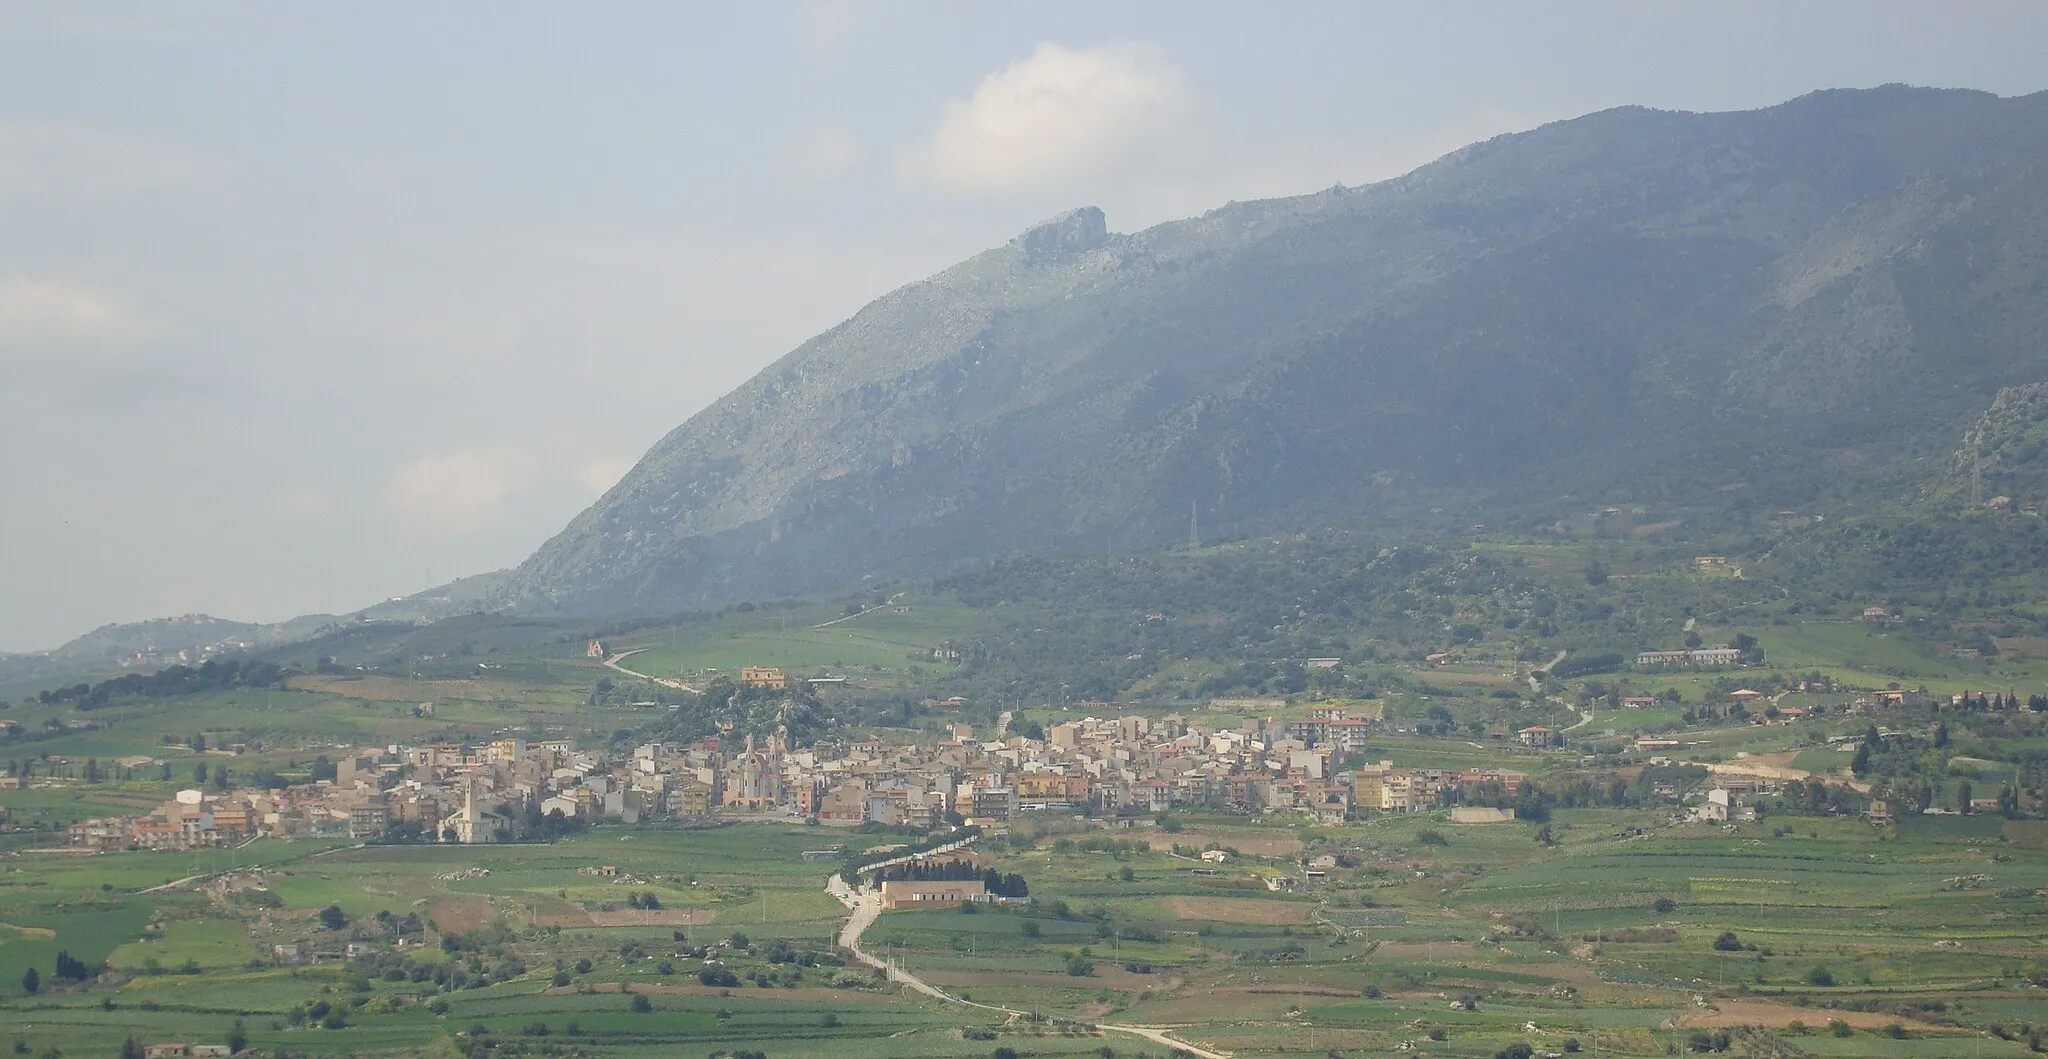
(924, 893)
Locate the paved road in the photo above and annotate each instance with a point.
(1537, 685)
(613, 663)
(867, 907)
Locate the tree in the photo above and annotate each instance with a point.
(131, 1049)
(1517, 1050)
(1963, 793)
(333, 918)
(199, 773)
(1727, 942)
(72, 968)
(1860, 764)
(1820, 976)
(641, 1003)
(31, 981)
(1665, 906)
(238, 1037)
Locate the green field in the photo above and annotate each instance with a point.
(881, 640)
(1426, 937)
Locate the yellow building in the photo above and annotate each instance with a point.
(763, 677)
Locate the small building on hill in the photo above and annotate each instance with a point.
(763, 677)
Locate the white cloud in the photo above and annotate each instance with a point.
(820, 155)
(1058, 115)
(601, 474)
(459, 491)
(57, 158)
(46, 311)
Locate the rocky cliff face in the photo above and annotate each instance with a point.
(2003, 460)
(1626, 297)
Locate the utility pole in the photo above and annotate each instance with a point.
(1194, 526)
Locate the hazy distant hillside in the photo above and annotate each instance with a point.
(1636, 304)
(193, 638)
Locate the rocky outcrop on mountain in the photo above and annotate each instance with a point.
(2003, 460)
(1639, 302)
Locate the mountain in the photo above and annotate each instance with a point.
(2003, 460)
(1632, 306)
(194, 638)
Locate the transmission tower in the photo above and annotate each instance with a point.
(1977, 476)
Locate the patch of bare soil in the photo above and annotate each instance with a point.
(1278, 844)
(1237, 910)
(1770, 1013)
(461, 914)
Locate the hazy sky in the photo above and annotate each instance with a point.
(303, 305)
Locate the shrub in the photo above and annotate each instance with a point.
(1820, 976)
(1665, 906)
(641, 1003)
(1727, 942)
(1839, 1028)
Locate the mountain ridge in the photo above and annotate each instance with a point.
(1478, 325)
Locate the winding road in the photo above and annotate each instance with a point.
(613, 663)
(867, 907)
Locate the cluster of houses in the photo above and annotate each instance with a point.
(490, 792)
(443, 792)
